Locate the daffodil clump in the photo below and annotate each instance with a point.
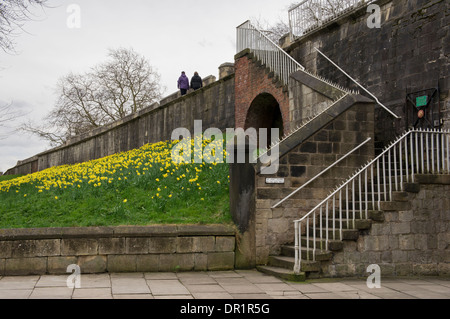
(149, 185)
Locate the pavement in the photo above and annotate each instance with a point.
(236, 284)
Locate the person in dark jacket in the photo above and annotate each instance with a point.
(183, 83)
(196, 82)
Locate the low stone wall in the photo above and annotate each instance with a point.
(117, 249)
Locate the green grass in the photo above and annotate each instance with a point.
(140, 187)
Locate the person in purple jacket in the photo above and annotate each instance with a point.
(183, 83)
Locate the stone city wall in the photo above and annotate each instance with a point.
(407, 54)
(213, 104)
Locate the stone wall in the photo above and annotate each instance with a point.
(117, 249)
(213, 104)
(407, 54)
(413, 238)
(274, 226)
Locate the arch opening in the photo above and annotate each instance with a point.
(265, 112)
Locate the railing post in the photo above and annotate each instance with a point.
(298, 247)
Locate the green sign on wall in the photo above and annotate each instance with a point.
(421, 101)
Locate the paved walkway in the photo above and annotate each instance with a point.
(238, 284)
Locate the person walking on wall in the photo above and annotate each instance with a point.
(196, 82)
(183, 83)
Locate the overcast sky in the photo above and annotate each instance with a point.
(174, 35)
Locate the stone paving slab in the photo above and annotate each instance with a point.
(237, 284)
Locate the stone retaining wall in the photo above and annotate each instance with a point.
(412, 238)
(117, 249)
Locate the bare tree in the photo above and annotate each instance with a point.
(318, 10)
(314, 12)
(7, 115)
(13, 14)
(123, 85)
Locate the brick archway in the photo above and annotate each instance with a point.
(255, 90)
(264, 112)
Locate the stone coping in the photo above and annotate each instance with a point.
(116, 231)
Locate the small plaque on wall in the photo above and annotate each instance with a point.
(274, 180)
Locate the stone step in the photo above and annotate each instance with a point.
(347, 234)
(286, 274)
(321, 255)
(333, 245)
(360, 224)
(376, 215)
(289, 263)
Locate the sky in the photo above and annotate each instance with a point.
(174, 36)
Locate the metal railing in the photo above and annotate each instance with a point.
(310, 14)
(270, 54)
(321, 173)
(415, 152)
(356, 82)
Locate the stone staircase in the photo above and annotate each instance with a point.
(282, 265)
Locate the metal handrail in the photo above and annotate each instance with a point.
(308, 14)
(433, 158)
(321, 173)
(269, 53)
(356, 82)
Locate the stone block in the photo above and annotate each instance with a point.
(221, 261)
(425, 269)
(58, 265)
(406, 242)
(121, 263)
(200, 262)
(403, 269)
(6, 249)
(79, 247)
(185, 244)
(162, 245)
(405, 216)
(224, 244)
(25, 266)
(401, 228)
(308, 147)
(92, 264)
(279, 225)
(386, 256)
(387, 269)
(136, 245)
(35, 248)
(186, 262)
(420, 241)
(395, 206)
(444, 269)
(345, 270)
(147, 263)
(203, 244)
(168, 262)
(111, 246)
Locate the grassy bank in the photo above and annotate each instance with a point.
(139, 187)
